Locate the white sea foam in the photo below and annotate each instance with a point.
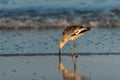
(40, 23)
(45, 13)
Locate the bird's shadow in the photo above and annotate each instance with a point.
(67, 74)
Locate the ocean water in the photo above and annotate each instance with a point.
(10, 4)
(59, 13)
(46, 68)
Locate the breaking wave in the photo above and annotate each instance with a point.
(32, 18)
(42, 23)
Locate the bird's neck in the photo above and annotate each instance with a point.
(62, 43)
(64, 40)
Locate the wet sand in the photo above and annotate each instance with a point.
(98, 40)
(46, 67)
(91, 67)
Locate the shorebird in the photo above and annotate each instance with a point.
(71, 34)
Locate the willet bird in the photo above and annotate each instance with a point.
(71, 34)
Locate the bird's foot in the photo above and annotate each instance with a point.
(74, 54)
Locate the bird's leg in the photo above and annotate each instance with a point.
(74, 43)
(74, 55)
(74, 63)
(74, 48)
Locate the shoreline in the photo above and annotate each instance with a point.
(55, 54)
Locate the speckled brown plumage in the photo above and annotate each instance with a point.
(74, 32)
(71, 34)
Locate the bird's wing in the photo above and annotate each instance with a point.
(75, 32)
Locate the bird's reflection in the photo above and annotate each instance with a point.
(67, 74)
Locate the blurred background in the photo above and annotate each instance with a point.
(54, 13)
(35, 27)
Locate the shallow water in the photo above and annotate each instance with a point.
(98, 40)
(46, 68)
(55, 13)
